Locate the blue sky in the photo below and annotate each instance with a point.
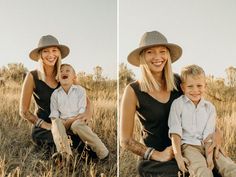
(205, 29)
(88, 27)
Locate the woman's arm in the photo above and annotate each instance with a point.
(209, 156)
(127, 118)
(217, 139)
(128, 109)
(25, 99)
(176, 144)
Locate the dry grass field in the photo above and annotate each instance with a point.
(19, 157)
(224, 98)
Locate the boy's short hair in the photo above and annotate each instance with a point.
(66, 64)
(191, 70)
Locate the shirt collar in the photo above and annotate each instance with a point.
(201, 103)
(71, 88)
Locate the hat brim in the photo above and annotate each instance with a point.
(175, 53)
(34, 54)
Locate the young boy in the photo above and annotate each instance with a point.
(68, 101)
(191, 120)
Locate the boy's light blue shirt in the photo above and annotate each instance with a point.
(65, 105)
(193, 124)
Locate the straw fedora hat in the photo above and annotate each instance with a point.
(48, 41)
(152, 39)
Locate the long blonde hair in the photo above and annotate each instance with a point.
(41, 71)
(148, 82)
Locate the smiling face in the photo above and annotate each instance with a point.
(194, 87)
(67, 75)
(50, 55)
(156, 58)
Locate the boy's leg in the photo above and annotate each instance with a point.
(43, 140)
(60, 137)
(225, 166)
(91, 138)
(198, 165)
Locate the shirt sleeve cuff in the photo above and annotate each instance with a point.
(175, 130)
(54, 114)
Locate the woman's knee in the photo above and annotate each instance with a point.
(41, 137)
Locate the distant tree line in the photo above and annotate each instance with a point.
(13, 71)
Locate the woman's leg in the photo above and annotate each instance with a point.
(43, 139)
(149, 168)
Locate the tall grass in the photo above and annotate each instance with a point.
(19, 157)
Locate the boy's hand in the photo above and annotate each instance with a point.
(182, 163)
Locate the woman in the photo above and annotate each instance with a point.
(41, 83)
(150, 99)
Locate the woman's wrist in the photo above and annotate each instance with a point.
(39, 122)
(148, 153)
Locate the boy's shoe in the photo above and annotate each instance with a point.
(103, 155)
(105, 159)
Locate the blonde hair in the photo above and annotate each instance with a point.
(148, 82)
(41, 71)
(66, 64)
(191, 70)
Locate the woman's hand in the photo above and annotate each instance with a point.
(84, 117)
(216, 138)
(210, 163)
(46, 125)
(67, 123)
(163, 156)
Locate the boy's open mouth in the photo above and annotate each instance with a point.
(64, 77)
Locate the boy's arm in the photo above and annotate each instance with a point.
(54, 107)
(174, 120)
(175, 133)
(176, 144)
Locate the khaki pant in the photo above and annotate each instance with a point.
(198, 164)
(90, 138)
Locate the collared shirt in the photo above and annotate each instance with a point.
(65, 105)
(192, 123)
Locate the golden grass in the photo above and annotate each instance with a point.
(18, 156)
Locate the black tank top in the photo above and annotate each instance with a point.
(42, 94)
(153, 116)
